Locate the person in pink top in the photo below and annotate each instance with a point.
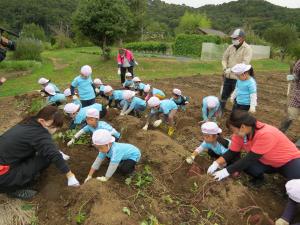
(126, 62)
(268, 151)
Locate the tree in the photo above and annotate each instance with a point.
(138, 9)
(191, 22)
(282, 36)
(103, 22)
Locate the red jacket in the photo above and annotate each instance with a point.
(129, 56)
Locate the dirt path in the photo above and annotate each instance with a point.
(57, 64)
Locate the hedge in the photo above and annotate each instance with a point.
(150, 46)
(191, 45)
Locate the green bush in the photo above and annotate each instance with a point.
(191, 44)
(33, 31)
(150, 46)
(294, 50)
(28, 49)
(62, 41)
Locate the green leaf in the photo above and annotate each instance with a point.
(128, 180)
(126, 211)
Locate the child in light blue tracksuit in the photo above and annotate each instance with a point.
(150, 92)
(122, 157)
(210, 108)
(138, 86)
(128, 84)
(45, 82)
(85, 86)
(213, 143)
(78, 114)
(115, 96)
(99, 88)
(70, 98)
(93, 124)
(180, 100)
(130, 103)
(54, 98)
(166, 107)
(244, 96)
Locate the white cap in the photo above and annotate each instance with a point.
(92, 112)
(102, 137)
(128, 74)
(293, 189)
(50, 90)
(147, 88)
(153, 102)
(238, 33)
(128, 94)
(67, 92)
(136, 79)
(71, 108)
(43, 81)
(107, 89)
(86, 70)
(240, 68)
(212, 102)
(210, 128)
(97, 81)
(176, 91)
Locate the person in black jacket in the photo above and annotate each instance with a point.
(27, 149)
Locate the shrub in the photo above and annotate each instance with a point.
(62, 41)
(33, 31)
(191, 45)
(28, 49)
(150, 46)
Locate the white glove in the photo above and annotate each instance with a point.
(119, 71)
(87, 178)
(107, 107)
(2, 80)
(227, 71)
(145, 127)
(72, 181)
(75, 97)
(97, 90)
(252, 109)
(102, 179)
(232, 98)
(72, 141)
(65, 157)
(281, 221)
(213, 167)
(190, 159)
(220, 175)
(43, 94)
(157, 123)
(122, 114)
(290, 77)
(136, 63)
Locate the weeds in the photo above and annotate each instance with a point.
(69, 134)
(142, 179)
(36, 105)
(151, 220)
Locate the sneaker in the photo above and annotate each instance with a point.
(23, 194)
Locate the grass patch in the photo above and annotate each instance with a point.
(19, 65)
(149, 68)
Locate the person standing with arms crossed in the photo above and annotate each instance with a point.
(238, 52)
